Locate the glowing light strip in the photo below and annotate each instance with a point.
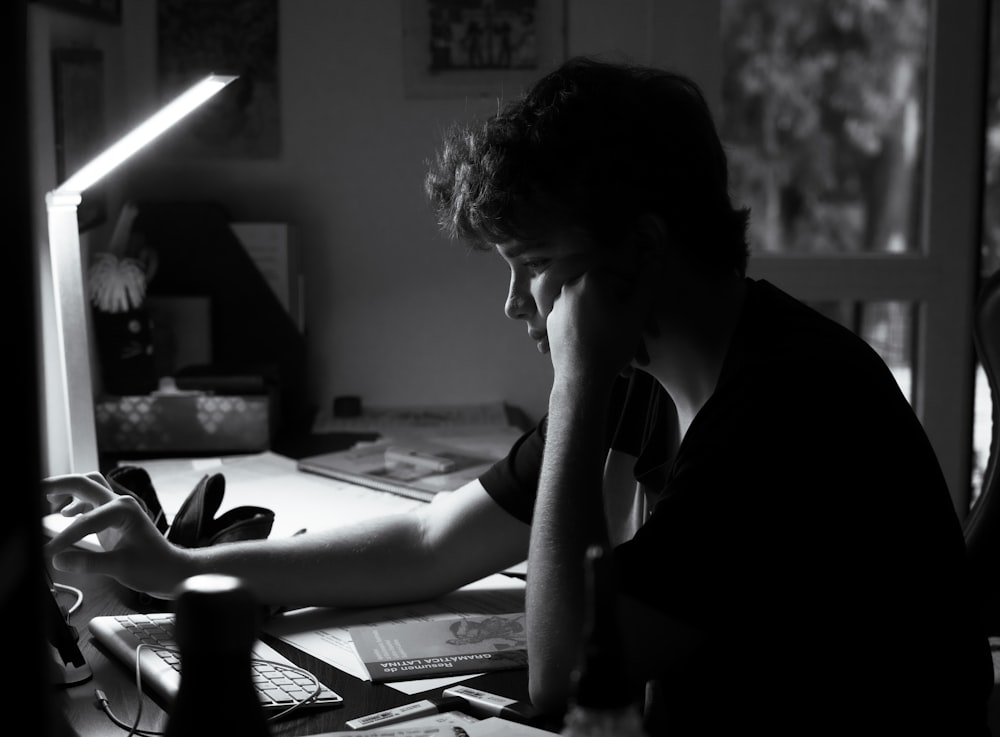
(140, 136)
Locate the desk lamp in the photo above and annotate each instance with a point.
(75, 414)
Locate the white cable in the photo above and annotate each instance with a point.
(134, 728)
(73, 590)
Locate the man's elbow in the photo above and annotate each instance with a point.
(549, 689)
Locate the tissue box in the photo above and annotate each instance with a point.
(184, 423)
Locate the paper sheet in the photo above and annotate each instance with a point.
(427, 726)
(445, 727)
(299, 500)
(498, 727)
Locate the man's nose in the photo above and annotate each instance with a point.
(518, 305)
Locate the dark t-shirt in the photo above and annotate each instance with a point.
(805, 528)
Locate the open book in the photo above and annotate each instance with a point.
(417, 469)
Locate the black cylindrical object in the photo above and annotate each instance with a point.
(217, 624)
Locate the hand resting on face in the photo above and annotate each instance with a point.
(597, 325)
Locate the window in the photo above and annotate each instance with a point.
(990, 256)
(852, 127)
(823, 114)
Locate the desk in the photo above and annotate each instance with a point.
(105, 596)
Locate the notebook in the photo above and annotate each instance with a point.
(280, 683)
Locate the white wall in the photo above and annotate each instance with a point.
(395, 313)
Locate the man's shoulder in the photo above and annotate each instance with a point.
(785, 338)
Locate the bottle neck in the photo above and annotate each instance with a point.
(215, 633)
(602, 678)
(584, 721)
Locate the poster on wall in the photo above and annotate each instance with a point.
(479, 48)
(109, 11)
(239, 37)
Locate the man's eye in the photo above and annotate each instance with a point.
(535, 265)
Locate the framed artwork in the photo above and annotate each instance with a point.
(109, 11)
(78, 111)
(239, 37)
(479, 48)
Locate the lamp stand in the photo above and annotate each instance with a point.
(75, 408)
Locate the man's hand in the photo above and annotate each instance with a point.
(135, 553)
(596, 326)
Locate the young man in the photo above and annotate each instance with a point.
(786, 552)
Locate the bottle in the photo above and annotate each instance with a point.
(605, 700)
(216, 626)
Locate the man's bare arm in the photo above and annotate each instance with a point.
(461, 536)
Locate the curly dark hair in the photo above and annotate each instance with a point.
(593, 144)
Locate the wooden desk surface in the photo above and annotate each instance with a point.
(104, 596)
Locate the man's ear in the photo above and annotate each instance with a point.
(651, 246)
(651, 240)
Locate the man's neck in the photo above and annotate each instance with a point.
(688, 356)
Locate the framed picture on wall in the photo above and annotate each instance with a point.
(238, 37)
(479, 48)
(78, 112)
(109, 11)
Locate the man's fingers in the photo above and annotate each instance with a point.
(76, 560)
(75, 507)
(91, 488)
(115, 514)
(98, 477)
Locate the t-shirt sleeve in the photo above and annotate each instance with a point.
(513, 481)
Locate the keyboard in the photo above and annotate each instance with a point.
(279, 687)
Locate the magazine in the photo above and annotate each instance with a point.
(418, 469)
(445, 645)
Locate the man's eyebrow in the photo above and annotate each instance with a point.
(517, 248)
(511, 250)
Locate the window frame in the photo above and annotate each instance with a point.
(942, 276)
